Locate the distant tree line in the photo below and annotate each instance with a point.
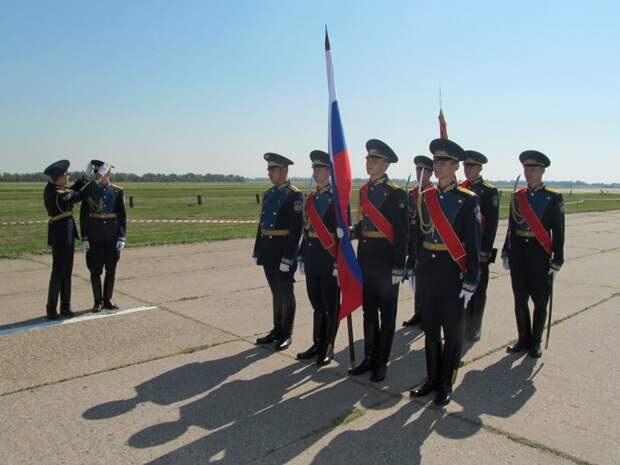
(131, 177)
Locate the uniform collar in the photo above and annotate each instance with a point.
(537, 188)
(284, 185)
(325, 188)
(448, 188)
(381, 180)
(478, 180)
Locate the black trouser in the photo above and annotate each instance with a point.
(284, 305)
(380, 299)
(324, 296)
(475, 308)
(60, 279)
(444, 311)
(102, 254)
(529, 268)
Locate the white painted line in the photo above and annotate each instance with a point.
(77, 319)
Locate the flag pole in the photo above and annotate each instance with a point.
(332, 91)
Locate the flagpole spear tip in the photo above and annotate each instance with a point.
(327, 47)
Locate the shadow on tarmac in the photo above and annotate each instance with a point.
(276, 416)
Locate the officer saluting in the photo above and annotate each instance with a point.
(277, 240)
(61, 234)
(533, 250)
(446, 267)
(318, 261)
(488, 197)
(103, 224)
(423, 172)
(382, 247)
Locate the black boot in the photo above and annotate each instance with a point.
(95, 283)
(52, 299)
(108, 290)
(536, 350)
(413, 321)
(444, 395)
(65, 298)
(386, 336)
(287, 318)
(269, 338)
(525, 331)
(433, 360)
(474, 316)
(538, 327)
(371, 336)
(318, 335)
(326, 352)
(310, 353)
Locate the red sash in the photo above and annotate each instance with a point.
(327, 239)
(444, 228)
(375, 215)
(542, 236)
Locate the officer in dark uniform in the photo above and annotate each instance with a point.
(318, 261)
(445, 284)
(423, 171)
(533, 263)
(488, 197)
(61, 234)
(382, 233)
(103, 224)
(275, 248)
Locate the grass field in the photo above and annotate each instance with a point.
(157, 201)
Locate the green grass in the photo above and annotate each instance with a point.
(24, 201)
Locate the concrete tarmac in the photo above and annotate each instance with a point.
(183, 383)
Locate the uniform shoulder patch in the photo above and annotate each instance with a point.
(488, 185)
(116, 186)
(294, 188)
(553, 191)
(392, 184)
(466, 191)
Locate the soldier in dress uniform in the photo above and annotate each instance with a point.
(317, 259)
(533, 250)
(275, 248)
(103, 225)
(61, 234)
(446, 262)
(423, 171)
(488, 197)
(382, 232)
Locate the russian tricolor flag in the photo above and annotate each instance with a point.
(349, 273)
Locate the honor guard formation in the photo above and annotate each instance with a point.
(437, 236)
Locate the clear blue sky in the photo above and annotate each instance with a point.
(209, 86)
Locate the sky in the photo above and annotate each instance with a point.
(209, 86)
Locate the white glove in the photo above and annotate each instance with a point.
(553, 272)
(285, 267)
(339, 233)
(466, 295)
(506, 263)
(412, 283)
(120, 245)
(300, 267)
(85, 245)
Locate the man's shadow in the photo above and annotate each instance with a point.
(499, 390)
(180, 383)
(277, 414)
(394, 439)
